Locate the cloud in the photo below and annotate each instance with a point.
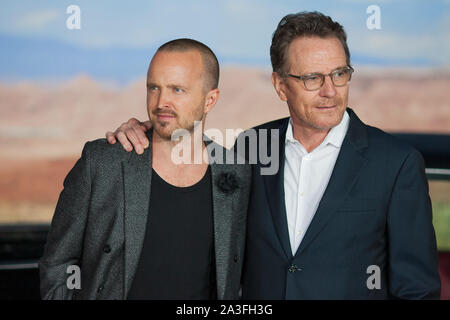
(427, 40)
(435, 48)
(37, 20)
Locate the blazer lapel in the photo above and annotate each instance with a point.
(223, 220)
(137, 179)
(274, 185)
(345, 173)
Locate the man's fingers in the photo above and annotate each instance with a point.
(131, 134)
(147, 124)
(132, 121)
(123, 140)
(140, 134)
(110, 137)
(134, 140)
(138, 129)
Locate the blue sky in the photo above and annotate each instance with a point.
(413, 32)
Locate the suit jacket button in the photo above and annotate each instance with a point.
(235, 258)
(100, 289)
(107, 249)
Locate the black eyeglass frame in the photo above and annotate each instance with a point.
(322, 77)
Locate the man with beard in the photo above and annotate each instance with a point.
(145, 227)
(348, 215)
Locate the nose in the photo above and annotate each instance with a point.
(327, 90)
(163, 99)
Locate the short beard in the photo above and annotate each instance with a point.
(159, 127)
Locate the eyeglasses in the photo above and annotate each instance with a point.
(314, 81)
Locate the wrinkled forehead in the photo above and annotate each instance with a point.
(314, 54)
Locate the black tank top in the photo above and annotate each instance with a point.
(177, 260)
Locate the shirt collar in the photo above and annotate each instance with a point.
(335, 137)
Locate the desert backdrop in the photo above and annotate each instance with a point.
(44, 125)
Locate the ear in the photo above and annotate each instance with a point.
(211, 99)
(279, 85)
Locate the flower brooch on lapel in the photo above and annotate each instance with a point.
(227, 182)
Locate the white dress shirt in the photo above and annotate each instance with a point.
(306, 177)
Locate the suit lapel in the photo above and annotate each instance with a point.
(274, 185)
(223, 221)
(345, 173)
(137, 179)
(222, 210)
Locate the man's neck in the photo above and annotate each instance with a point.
(188, 147)
(180, 163)
(309, 137)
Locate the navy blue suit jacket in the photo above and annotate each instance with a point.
(375, 211)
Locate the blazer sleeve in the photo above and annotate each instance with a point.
(413, 259)
(65, 238)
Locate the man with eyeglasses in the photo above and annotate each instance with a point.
(347, 215)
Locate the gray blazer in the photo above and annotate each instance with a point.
(100, 220)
